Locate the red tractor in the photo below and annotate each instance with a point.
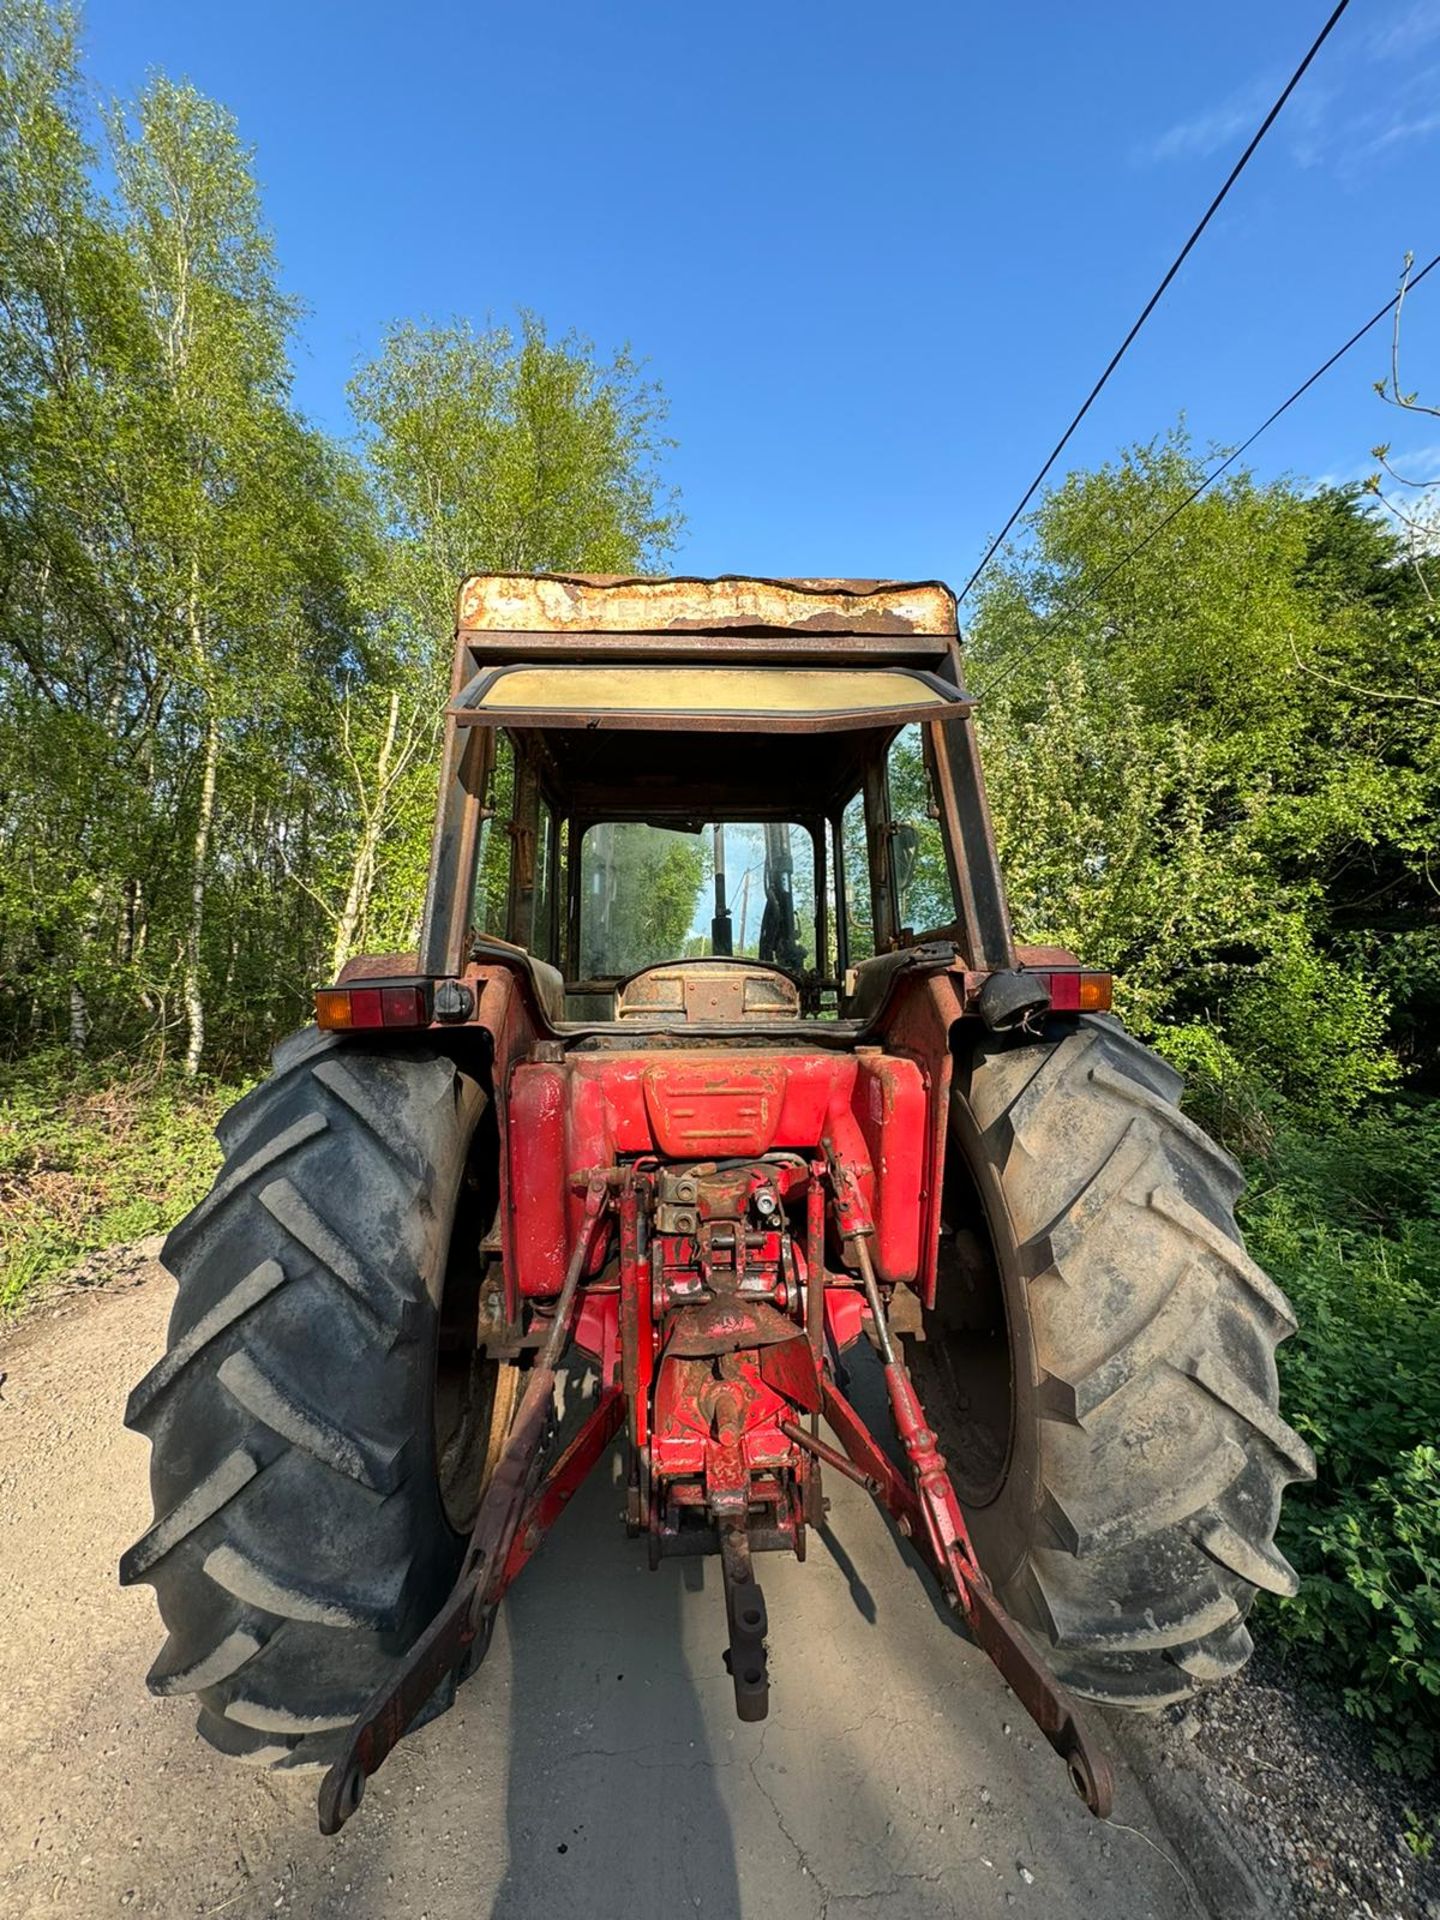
(675, 1107)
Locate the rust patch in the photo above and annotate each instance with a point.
(581, 603)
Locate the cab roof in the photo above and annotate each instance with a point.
(588, 614)
(735, 653)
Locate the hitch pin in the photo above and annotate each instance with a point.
(792, 1430)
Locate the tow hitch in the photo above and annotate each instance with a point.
(714, 1393)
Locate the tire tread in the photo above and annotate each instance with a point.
(1154, 1333)
(299, 1543)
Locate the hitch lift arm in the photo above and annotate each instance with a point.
(929, 1514)
(459, 1635)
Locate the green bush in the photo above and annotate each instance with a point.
(93, 1155)
(1350, 1226)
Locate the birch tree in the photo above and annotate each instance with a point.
(488, 450)
(177, 552)
(225, 511)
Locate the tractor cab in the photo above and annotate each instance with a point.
(698, 803)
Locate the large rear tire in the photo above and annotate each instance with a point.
(306, 1434)
(1101, 1363)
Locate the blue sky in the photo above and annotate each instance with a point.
(875, 254)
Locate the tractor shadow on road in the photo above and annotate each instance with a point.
(863, 1382)
(632, 1788)
(613, 1805)
(594, 1765)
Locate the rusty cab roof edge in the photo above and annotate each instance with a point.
(644, 616)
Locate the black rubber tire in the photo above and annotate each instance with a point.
(300, 1541)
(1129, 1520)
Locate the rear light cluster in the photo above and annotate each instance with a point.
(1080, 992)
(350, 1009)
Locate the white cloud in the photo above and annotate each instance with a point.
(1421, 465)
(1231, 123)
(1207, 132)
(1416, 27)
(1323, 121)
(1403, 129)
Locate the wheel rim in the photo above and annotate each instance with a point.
(474, 1404)
(972, 1344)
(473, 1397)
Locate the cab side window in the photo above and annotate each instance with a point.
(925, 900)
(492, 878)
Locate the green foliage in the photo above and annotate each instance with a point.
(178, 548)
(94, 1157)
(511, 453)
(1218, 772)
(1377, 1604)
(488, 451)
(926, 901)
(224, 648)
(1212, 773)
(1349, 1224)
(1419, 1834)
(224, 639)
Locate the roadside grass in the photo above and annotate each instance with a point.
(94, 1154)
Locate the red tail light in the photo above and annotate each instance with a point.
(353, 1009)
(1080, 992)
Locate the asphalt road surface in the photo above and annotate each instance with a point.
(593, 1766)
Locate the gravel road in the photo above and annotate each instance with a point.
(594, 1764)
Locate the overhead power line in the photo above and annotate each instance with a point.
(1155, 298)
(1072, 604)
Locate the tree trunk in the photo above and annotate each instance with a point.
(129, 922)
(79, 1018)
(194, 995)
(362, 874)
(362, 868)
(80, 1023)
